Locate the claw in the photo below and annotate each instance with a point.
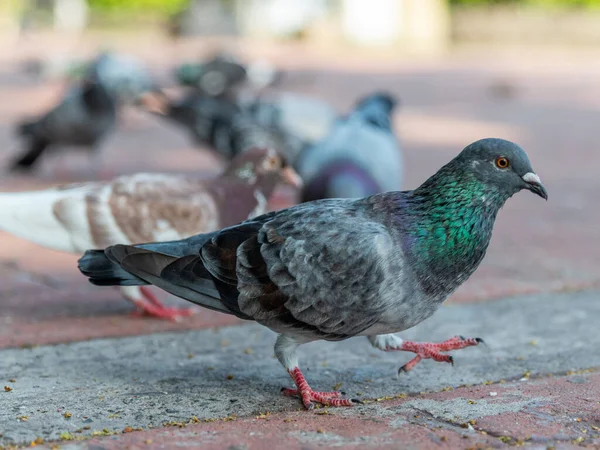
(309, 397)
(426, 350)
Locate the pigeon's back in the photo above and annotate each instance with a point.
(75, 122)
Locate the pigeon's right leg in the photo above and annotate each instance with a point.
(423, 350)
(147, 304)
(285, 350)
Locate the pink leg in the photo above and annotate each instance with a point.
(153, 307)
(308, 396)
(430, 350)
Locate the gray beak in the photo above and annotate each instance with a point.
(534, 184)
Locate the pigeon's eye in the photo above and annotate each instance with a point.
(502, 162)
(271, 163)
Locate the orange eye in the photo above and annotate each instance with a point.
(271, 163)
(502, 162)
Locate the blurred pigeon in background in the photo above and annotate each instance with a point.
(198, 113)
(215, 77)
(337, 268)
(82, 119)
(223, 73)
(216, 122)
(144, 207)
(360, 156)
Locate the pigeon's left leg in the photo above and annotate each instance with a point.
(285, 350)
(424, 350)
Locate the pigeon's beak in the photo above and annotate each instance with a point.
(152, 103)
(290, 176)
(534, 184)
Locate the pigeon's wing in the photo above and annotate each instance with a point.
(319, 268)
(313, 268)
(139, 208)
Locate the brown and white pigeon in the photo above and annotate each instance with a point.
(337, 268)
(144, 207)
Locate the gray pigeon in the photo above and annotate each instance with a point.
(359, 157)
(83, 119)
(337, 268)
(215, 77)
(217, 122)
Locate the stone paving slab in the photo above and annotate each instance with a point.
(548, 412)
(212, 374)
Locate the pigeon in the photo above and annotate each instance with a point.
(142, 207)
(215, 77)
(200, 114)
(337, 268)
(359, 157)
(83, 119)
(217, 122)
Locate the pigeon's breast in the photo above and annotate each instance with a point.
(406, 303)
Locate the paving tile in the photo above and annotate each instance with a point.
(211, 374)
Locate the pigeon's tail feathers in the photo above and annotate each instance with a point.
(102, 271)
(26, 161)
(46, 218)
(170, 273)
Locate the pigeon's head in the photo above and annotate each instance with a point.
(501, 164)
(262, 165)
(376, 109)
(382, 100)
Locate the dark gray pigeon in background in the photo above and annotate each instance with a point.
(215, 77)
(198, 113)
(360, 156)
(82, 119)
(338, 268)
(223, 73)
(217, 122)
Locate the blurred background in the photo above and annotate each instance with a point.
(461, 70)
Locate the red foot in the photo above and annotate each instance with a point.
(309, 396)
(153, 307)
(429, 350)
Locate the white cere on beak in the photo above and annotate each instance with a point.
(532, 178)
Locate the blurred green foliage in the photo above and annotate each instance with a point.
(142, 6)
(538, 3)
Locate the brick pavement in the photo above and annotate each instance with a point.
(549, 106)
